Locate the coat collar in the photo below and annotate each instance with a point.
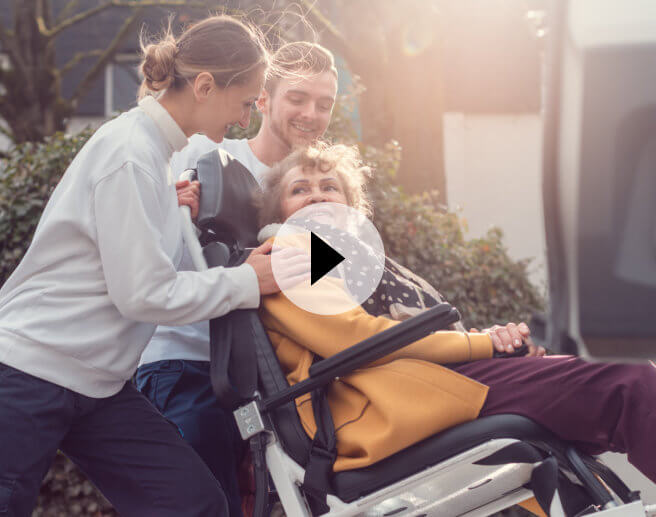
(270, 230)
(175, 137)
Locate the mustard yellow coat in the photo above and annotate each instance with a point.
(391, 404)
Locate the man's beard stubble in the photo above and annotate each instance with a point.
(277, 130)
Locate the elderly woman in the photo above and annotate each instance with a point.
(448, 377)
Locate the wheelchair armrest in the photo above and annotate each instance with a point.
(366, 352)
(386, 342)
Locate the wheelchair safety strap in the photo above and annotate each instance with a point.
(233, 354)
(319, 468)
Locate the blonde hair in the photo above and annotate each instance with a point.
(225, 47)
(300, 59)
(343, 160)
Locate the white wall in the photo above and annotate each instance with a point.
(493, 165)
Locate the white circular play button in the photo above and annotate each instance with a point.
(346, 254)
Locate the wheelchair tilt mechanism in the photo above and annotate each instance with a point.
(474, 469)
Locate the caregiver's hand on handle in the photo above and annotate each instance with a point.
(508, 338)
(189, 195)
(292, 267)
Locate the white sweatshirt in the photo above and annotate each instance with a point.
(99, 274)
(192, 342)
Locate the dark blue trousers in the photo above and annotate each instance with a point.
(182, 391)
(134, 456)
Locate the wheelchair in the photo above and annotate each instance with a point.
(474, 469)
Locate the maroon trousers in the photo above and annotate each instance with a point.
(600, 407)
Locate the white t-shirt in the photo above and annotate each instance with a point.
(100, 271)
(200, 145)
(192, 342)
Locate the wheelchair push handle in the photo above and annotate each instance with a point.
(188, 232)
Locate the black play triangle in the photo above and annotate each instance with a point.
(322, 258)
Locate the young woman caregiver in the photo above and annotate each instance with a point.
(99, 276)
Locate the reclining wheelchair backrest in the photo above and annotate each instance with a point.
(227, 219)
(242, 358)
(226, 213)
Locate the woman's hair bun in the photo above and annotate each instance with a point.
(158, 66)
(222, 46)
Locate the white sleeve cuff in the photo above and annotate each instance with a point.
(249, 296)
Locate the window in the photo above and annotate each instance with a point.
(122, 80)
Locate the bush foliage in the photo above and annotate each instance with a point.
(475, 275)
(66, 492)
(29, 173)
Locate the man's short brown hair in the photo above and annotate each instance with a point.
(299, 59)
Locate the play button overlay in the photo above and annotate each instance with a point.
(346, 256)
(323, 258)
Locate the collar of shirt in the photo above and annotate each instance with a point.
(175, 137)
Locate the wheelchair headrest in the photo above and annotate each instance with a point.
(226, 200)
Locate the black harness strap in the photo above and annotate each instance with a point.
(319, 468)
(233, 355)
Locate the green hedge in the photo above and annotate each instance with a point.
(66, 492)
(28, 174)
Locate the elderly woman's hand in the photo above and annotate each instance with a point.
(189, 195)
(508, 338)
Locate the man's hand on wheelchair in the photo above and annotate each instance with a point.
(189, 195)
(508, 339)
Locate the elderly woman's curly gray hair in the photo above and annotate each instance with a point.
(343, 160)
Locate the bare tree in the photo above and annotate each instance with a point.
(31, 100)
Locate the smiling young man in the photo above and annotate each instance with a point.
(296, 105)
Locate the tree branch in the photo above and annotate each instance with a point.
(67, 9)
(6, 132)
(8, 41)
(73, 20)
(85, 84)
(43, 16)
(135, 4)
(79, 56)
(5, 34)
(159, 3)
